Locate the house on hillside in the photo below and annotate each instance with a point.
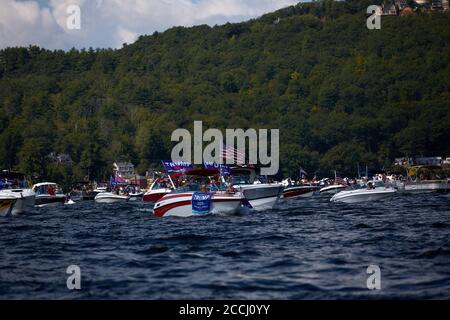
(427, 161)
(63, 158)
(403, 161)
(123, 169)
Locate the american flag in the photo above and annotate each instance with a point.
(303, 173)
(341, 181)
(231, 153)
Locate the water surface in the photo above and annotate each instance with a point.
(306, 249)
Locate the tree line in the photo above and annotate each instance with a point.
(339, 93)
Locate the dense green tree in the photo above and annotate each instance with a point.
(339, 93)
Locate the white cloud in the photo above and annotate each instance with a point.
(110, 23)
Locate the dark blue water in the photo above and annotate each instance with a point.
(308, 249)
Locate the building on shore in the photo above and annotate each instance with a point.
(124, 169)
(421, 161)
(428, 161)
(62, 158)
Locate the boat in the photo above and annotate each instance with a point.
(199, 196)
(159, 188)
(82, 191)
(426, 186)
(48, 194)
(111, 197)
(134, 192)
(375, 191)
(332, 189)
(101, 189)
(15, 184)
(6, 205)
(259, 194)
(295, 192)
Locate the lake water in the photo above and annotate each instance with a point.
(306, 249)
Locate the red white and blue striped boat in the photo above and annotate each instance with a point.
(179, 203)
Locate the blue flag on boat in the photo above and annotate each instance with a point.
(201, 203)
(224, 169)
(176, 167)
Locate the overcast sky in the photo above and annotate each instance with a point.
(110, 23)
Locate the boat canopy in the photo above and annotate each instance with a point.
(202, 172)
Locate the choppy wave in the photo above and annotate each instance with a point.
(305, 249)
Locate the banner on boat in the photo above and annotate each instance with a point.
(201, 203)
(119, 180)
(224, 169)
(176, 167)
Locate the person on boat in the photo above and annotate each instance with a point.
(213, 186)
(370, 186)
(51, 190)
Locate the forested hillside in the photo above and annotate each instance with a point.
(339, 93)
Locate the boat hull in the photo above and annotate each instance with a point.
(261, 196)
(332, 189)
(49, 200)
(136, 196)
(356, 196)
(426, 187)
(25, 200)
(155, 195)
(298, 192)
(180, 205)
(110, 198)
(6, 206)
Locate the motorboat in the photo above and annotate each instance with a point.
(82, 191)
(100, 189)
(259, 194)
(199, 196)
(159, 188)
(375, 191)
(6, 204)
(295, 192)
(15, 184)
(134, 192)
(426, 186)
(111, 197)
(48, 194)
(332, 189)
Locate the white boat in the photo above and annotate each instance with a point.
(48, 194)
(426, 186)
(100, 190)
(14, 184)
(364, 195)
(260, 196)
(133, 191)
(158, 189)
(110, 197)
(6, 205)
(136, 196)
(332, 189)
(182, 201)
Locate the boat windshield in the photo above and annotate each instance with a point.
(240, 179)
(261, 179)
(162, 185)
(50, 189)
(199, 184)
(13, 184)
